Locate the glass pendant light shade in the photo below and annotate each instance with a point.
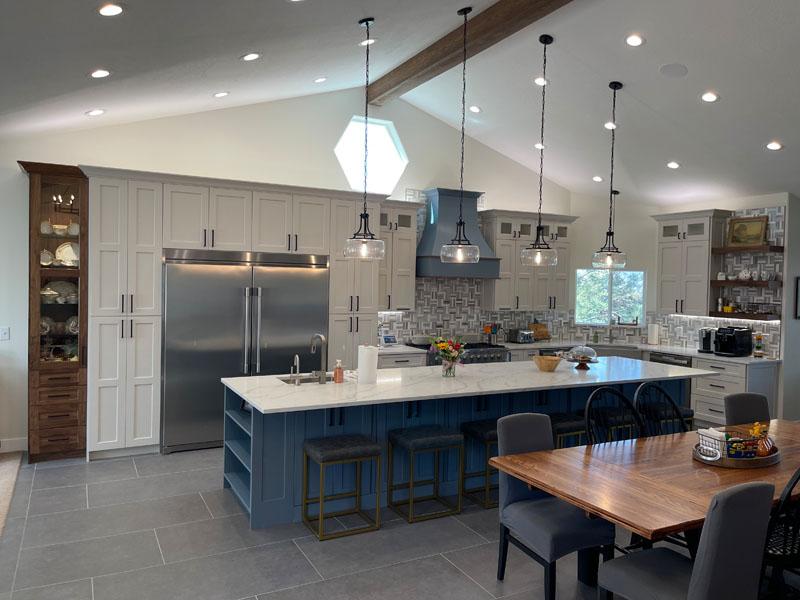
(539, 257)
(365, 249)
(609, 259)
(460, 250)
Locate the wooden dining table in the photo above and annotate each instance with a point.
(651, 486)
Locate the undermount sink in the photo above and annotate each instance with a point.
(301, 379)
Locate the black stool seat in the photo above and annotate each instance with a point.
(567, 423)
(425, 437)
(341, 447)
(485, 430)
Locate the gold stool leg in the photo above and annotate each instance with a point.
(321, 529)
(358, 485)
(390, 477)
(411, 486)
(460, 483)
(378, 491)
(436, 469)
(305, 487)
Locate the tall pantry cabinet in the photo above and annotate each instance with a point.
(125, 228)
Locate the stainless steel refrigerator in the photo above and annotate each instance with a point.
(229, 314)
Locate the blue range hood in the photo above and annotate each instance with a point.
(440, 227)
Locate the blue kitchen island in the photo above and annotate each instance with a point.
(268, 419)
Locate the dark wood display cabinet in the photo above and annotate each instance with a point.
(57, 298)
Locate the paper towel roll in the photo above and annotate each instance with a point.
(653, 334)
(367, 364)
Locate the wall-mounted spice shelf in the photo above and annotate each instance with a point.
(718, 283)
(744, 316)
(748, 249)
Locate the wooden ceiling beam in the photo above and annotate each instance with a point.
(502, 19)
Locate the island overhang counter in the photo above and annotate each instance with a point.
(267, 420)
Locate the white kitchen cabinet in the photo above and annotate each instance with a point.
(514, 290)
(230, 219)
(186, 217)
(397, 271)
(311, 217)
(346, 332)
(551, 288)
(272, 222)
(401, 360)
(685, 263)
(125, 247)
(124, 372)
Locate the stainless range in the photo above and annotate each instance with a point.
(474, 352)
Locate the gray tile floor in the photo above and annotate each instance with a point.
(161, 527)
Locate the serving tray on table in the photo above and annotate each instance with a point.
(717, 460)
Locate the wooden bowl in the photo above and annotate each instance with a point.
(547, 364)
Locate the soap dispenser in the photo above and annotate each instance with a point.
(338, 372)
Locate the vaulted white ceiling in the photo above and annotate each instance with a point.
(746, 51)
(169, 56)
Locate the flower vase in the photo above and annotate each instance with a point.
(448, 368)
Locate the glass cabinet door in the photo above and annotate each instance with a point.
(61, 226)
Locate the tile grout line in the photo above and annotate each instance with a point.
(455, 566)
(22, 536)
(91, 583)
(56, 487)
(161, 552)
(210, 514)
(87, 496)
(313, 566)
(480, 535)
(135, 468)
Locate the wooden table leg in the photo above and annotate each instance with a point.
(588, 561)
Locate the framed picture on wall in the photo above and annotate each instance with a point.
(747, 231)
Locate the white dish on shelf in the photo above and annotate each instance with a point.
(69, 254)
(60, 230)
(46, 258)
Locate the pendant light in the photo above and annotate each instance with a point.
(609, 256)
(460, 250)
(363, 244)
(539, 253)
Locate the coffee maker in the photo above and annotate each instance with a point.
(733, 341)
(705, 342)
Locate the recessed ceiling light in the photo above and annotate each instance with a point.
(540, 81)
(251, 56)
(100, 73)
(709, 96)
(597, 179)
(95, 112)
(774, 145)
(673, 165)
(539, 146)
(368, 42)
(318, 79)
(634, 40)
(221, 94)
(610, 125)
(110, 10)
(475, 109)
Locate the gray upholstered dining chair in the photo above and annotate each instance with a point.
(746, 407)
(543, 527)
(728, 563)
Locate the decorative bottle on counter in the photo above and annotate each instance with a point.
(758, 351)
(338, 372)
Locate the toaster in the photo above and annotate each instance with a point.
(520, 336)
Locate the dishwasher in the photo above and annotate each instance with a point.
(676, 360)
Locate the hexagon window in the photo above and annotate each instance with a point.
(387, 158)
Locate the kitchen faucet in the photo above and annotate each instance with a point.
(295, 369)
(323, 359)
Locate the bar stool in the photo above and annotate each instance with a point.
(482, 432)
(424, 439)
(568, 425)
(337, 450)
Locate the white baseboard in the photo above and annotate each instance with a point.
(13, 444)
(121, 452)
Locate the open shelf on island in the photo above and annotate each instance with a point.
(715, 283)
(744, 316)
(748, 249)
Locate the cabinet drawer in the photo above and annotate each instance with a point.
(399, 362)
(719, 386)
(58, 395)
(721, 367)
(65, 439)
(51, 416)
(708, 409)
(59, 378)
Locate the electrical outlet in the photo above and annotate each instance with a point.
(5, 334)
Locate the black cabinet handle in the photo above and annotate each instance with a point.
(351, 304)
(330, 417)
(716, 367)
(123, 302)
(356, 324)
(389, 303)
(213, 231)
(397, 362)
(131, 328)
(517, 301)
(204, 238)
(681, 306)
(714, 410)
(289, 242)
(131, 302)
(676, 305)
(122, 329)
(716, 385)
(295, 242)
(358, 303)
(351, 325)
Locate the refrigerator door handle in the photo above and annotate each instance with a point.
(246, 345)
(257, 292)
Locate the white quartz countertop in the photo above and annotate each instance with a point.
(399, 349)
(679, 350)
(268, 394)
